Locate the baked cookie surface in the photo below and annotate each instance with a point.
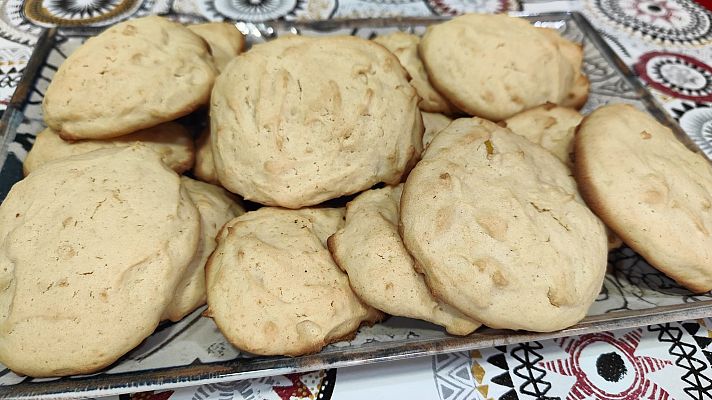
(298, 121)
(216, 206)
(134, 75)
(405, 47)
(204, 168)
(573, 53)
(550, 126)
(433, 123)
(225, 41)
(496, 224)
(650, 190)
(170, 140)
(90, 263)
(494, 66)
(381, 272)
(553, 127)
(273, 287)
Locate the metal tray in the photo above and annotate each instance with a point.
(193, 352)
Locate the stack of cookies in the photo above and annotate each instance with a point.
(113, 240)
(478, 194)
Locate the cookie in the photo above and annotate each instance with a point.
(494, 66)
(573, 53)
(216, 207)
(92, 248)
(433, 124)
(134, 75)
(273, 288)
(649, 189)
(578, 95)
(553, 128)
(297, 121)
(204, 168)
(225, 41)
(381, 272)
(171, 140)
(497, 226)
(550, 126)
(405, 47)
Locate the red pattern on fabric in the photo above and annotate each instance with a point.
(150, 395)
(641, 68)
(297, 389)
(640, 388)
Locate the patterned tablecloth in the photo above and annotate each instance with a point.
(669, 45)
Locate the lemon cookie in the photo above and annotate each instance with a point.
(298, 121)
(405, 47)
(550, 126)
(225, 41)
(650, 190)
(273, 287)
(494, 66)
(171, 140)
(573, 53)
(92, 248)
(553, 127)
(497, 226)
(381, 272)
(134, 75)
(216, 206)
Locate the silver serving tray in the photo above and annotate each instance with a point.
(193, 352)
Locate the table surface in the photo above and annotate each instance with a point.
(668, 43)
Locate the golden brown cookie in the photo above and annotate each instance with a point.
(171, 140)
(216, 207)
(496, 224)
(650, 190)
(573, 53)
(134, 75)
(225, 41)
(553, 128)
(405, 47)
(92, 248)
(287, 131)
(550, 126)
(273, 288)
(494, 66)
(381, 272)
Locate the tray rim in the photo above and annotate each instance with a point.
(225, 371)
(233, 370)
(13, 113)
